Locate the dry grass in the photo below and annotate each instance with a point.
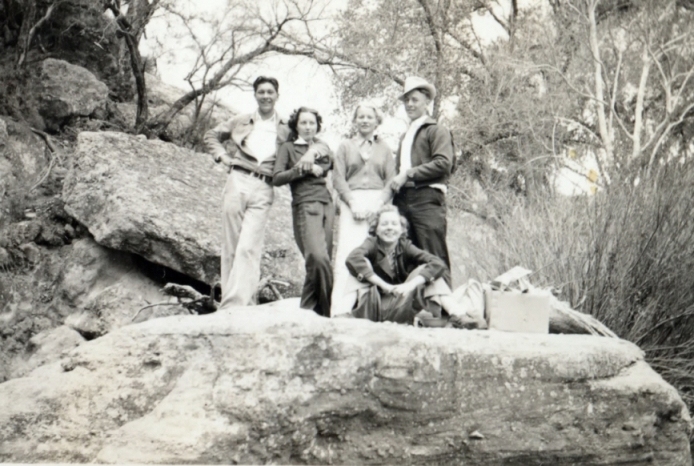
(625, 256)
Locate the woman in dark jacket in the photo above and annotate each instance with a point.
(303, 162)
(399, 278)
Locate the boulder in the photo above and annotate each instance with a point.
(65, 90)
(31, 252)
(84, 33)
(90, 270)
(276, 384)
(106, 291)
(163, 202)
(22, 152)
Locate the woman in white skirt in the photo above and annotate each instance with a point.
(364, 167)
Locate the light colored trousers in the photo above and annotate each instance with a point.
(245, 207)
(351, 234)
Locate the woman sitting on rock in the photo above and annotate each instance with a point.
(399, 279)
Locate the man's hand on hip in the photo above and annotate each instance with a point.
(226, 160)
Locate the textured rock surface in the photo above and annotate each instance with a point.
(118, 305)
(82, 279)
(67, 90)
(22, 160)
(106, 290)
(164, 203)
(81, 33)
(91, 270)
(46, 347)
(276, 384)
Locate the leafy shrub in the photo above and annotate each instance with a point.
(625, 256)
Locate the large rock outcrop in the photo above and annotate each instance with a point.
(281, 385)
(163, 202)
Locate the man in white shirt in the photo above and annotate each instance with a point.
(248, 193)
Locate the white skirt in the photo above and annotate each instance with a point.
(350, 235)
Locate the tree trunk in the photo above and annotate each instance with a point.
(132, 35)
(638, 111)
(139, 74)
(605, 133)
(26, 31)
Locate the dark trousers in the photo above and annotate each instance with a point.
(425, 211)
(313, 232)
(377, 306)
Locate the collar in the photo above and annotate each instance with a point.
(420, 121)
(382, 250)
(300, 141)
(360, 140)
(274, 118)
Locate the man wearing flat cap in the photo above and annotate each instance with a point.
(424, 162)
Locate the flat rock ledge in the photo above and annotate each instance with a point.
(275, 384)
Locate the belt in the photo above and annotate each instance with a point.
(260, 176)
(412, 185)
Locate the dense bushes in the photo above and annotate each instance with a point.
(625, 256)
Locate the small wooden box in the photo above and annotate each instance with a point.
(513, 311)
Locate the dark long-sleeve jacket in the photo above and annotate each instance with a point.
(371, 258)
(432, 155)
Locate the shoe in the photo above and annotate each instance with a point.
(426, 319)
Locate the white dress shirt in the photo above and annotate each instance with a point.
(261, 142)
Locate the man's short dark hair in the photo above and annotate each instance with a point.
(265, 79)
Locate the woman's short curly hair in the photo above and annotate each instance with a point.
(294, 120)
(377, 112)
(376, 217)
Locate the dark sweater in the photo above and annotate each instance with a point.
(304, 187)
